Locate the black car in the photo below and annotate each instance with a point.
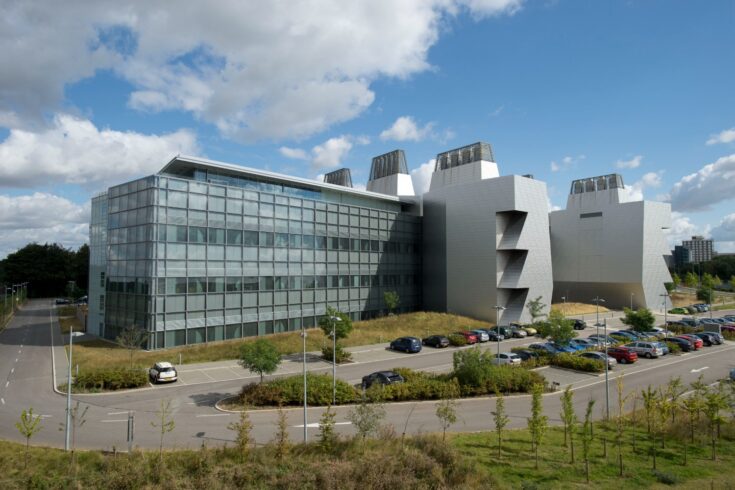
(580, 324)
(381, 377)
(708, 338)
(493, 334)
(406, 344)
(526, 354)
(436, 341)
(684, 345)
(62, 301)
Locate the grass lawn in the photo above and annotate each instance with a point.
(571, 309)
(103, 353)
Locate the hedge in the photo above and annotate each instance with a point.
(457, 340)
(290, 391)
(112, 378)
(570, 361)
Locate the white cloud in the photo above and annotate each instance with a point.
(406, 129)
(42, 218)
(710, 185)
(649, 180)
(74, 151)
(551, 205)
(256, 70)
(634, 162)
(294, 153)
(566, 163)
(682, 228)
(330, 153)
(726, 136)
(421, 176)
(725, 231)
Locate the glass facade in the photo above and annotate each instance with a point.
(206, 255)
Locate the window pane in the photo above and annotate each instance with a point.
(234, 237)
(266, 283)
(234, 284)
(197, 234)
(266, 239)
(250, 238)
(197, 285)
(216, 285)
(249, 283)
(281, 240)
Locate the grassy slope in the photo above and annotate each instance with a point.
(467, 461)
(571, 309)
(99, 352)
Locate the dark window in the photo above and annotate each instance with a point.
(294, 241)
(309, 282)
(266, 239)
(321, 281)
(234, 284)
(216, 235)
(308, 241)
(320, 242)
(266, 283)
(281, 240)
(590, 215)
(249, 283)
(216, 285)
(234, 237)
(197, 234)
(250, 238)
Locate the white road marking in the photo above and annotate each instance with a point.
(46, 416)
(19, 352)
(2, 400)
(698, 370)
(12, 371)
(117, 413)
(215, 415)
(315, 425)
(7, 383)
(113, 420)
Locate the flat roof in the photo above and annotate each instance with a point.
(272, 176)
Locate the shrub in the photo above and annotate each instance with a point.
(290, 391)
(478, 376)
(578, 363)
(114, 378)
(728, 334)
(666, 478)
(457, 340)
(674, 348)
(341, 356)
(416, 386)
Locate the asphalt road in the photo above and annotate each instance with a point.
(26, 381)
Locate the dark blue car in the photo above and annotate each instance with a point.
(406, 344)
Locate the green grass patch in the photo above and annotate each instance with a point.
(97, 353)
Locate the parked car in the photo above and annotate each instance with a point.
(492, 334)
(518, 332)
(526, 354)
(468, 336)
(732, 375)
(570, 348)
(701, 307)
(529, 329)
(546, 348)
(696, 341)
(504, 331)
(162, 372)
(603, 338)
(664, 347)
(600, 356)
(406, 344)
(381, 377)
(707, 338)
(622, 354)
(583, 343)
(482, 335)
(678, 311)
(648, 350)
(436, 341)
(683, 344)
(62, 301)
(624, 334)
(579, 324)
(510, 358)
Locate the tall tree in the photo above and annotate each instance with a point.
(557, 328)
(640, 320)
(691, 280)
(675, 280)
(536, 308)
(47, 268)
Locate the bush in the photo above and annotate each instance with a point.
(729, 335)
(115, 378)
(457, 340)
(342, 355)
(666, 478)
(674, 348)
(290, 391)
(478, 376)
(691, 310)
(417, 385)
(578, 363)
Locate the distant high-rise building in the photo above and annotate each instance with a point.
(700, 249)
(682, 256)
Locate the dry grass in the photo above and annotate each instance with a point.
(570, 309)
(67, 322)
(103, 353)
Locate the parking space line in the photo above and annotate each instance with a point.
(214, 415)
(113, 420)
(2, 400)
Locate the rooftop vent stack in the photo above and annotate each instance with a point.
(341, 177)
(464, 165)
(389, 175)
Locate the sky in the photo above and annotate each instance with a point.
(93, 94)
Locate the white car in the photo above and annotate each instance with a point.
(162, 372)
(509, 358)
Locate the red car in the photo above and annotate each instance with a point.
(470, 337)
(622, 354)
(695, 341)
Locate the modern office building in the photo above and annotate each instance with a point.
(700, 249)
(682, 256)
(486, 238)
(604, 246)
(206, 251)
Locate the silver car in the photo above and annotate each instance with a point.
(648, 350)
(482, 335)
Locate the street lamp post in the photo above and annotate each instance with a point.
(607, 385)
(631, 300)
(303, 337)
(498, 309)
(334, 320)
(597, 301)
(67, 438)
(666, 308)
(564, 302)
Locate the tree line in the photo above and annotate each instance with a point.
(47, 269)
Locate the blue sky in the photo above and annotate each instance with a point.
(561, 89)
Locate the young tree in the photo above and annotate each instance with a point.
(391, 300)
(537, 422)
(366, 417)
(446, 412)
(714, 402)
(708, 281)
(640, 320)
(501, 419)
(78, 419)
(242, 430)
(586, 436)
(165, 423)
(649, 405)
(674, 390)
(536, 308)
(132, 338)
(691, 280)
(557, 328)
(260, 357)
(28, 425)
(282, 442)
(620, 422)
(341, 324)
(732, 283)
(706, 294)
(675, 280)
(665, 407)
(327, 434)
(568, 417)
